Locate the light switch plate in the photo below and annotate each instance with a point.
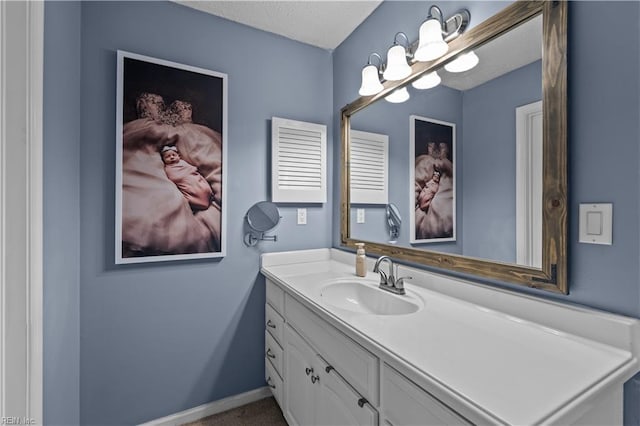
(302, 216)
(596, 222)
(360, 216)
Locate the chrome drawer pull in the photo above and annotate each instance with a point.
(270, 324)
(270, 355)
(315, 379)
(328, 368)
(269, 383)
(362, 401)
(308, 370)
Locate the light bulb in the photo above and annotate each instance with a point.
(463, 63)
(431, 45)
(398, 96)
(370, 81)
(397, 66)
(427, 81)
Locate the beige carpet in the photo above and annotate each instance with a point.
(264, 412)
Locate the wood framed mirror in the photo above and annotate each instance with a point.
(548, 271)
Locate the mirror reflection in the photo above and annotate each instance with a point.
(394, 220)
(464, 159)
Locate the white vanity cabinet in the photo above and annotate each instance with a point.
(469, 356)
(312, 390)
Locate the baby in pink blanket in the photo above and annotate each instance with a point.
(192, 184)
(429, 191)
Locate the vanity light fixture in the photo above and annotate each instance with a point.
(397, 66)
(371, 77)
(427, 81)
(463, 63)
(435, 32)
(398, 96)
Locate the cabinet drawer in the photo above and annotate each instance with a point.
(275, 296)
(404, 403)
(358, 366)
(273, 353)
(274, 323)
(274, 381)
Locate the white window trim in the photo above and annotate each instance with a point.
(528, 188)
(28, 193)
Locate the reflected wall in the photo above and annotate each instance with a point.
(485, 161)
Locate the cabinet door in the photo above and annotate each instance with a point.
(339, 404)
(300, 393)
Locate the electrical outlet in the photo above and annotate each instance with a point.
(302, 216)
(360, 216)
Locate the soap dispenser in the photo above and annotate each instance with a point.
(361, 261)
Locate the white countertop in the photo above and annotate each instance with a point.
(515, 370)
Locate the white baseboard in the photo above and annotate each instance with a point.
(211, 408)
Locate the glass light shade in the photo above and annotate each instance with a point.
(427, 81)
(397, 66)
(370, 81)
(398, 96)
(431, 45)
(463, 63)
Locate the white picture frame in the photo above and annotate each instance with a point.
(432, 205)
(162, 104)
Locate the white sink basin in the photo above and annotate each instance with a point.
(365, 297)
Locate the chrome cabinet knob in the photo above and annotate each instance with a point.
(271, 385)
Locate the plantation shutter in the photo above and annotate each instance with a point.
(298, 161)
(369, 167)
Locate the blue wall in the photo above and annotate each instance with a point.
(486, 192)
(376, 34)
(489, 189)
(604, 113)
(440, 103)
(156, 339)
(61, 213)
(159, 338)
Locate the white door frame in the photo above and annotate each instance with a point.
(529, 184)
(21, 211)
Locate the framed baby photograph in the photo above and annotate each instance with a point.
(432, 184)
(171, 166)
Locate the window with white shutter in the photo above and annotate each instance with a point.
(369, 168)
(298, 161)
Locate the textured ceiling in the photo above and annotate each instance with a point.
(517, 48)
(326, 23)
(319, 23)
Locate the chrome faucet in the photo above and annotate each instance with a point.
(388, 281)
